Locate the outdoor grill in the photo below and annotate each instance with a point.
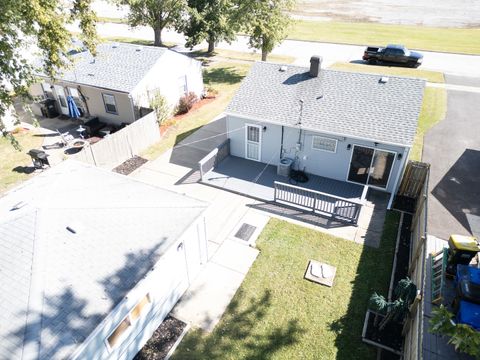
(39, 158)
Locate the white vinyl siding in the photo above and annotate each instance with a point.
(324, 144)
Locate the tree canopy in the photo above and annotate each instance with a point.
(37, 24)
(158, 14)
(211, 20)
(265, 22)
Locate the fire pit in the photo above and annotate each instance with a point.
(75, 146)
(79, 143)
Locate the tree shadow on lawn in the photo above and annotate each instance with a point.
(233, 335)
(223, 75)
(373, 275)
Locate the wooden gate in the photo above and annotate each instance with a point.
(413, 179)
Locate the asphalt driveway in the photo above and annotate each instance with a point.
(453, 150)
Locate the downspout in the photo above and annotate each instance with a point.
(281, 144)
(399, 176)
(132, 107)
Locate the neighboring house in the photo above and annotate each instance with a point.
(341, 125)
(91, 262)
(119, 82)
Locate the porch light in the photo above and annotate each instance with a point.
(349, 146)
(264, 128)
(399, 156)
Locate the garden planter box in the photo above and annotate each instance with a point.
(389, 338)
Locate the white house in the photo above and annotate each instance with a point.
(91, 262)
(351, 127)
(119, 82)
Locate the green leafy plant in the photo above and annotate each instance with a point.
(405, 292)
(462, 336)
(186, 103)
(160, 105)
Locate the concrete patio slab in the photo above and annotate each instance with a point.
(207, 298)
(235, 256)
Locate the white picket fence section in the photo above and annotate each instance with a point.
(114, 149)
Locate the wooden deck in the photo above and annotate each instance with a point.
(257, 180)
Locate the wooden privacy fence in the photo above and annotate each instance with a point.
(413, 179)
(214, 157)
(114, 149)
(413, 329)
(325, 204)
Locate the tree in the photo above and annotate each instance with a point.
(158, 14)
(210, 20)
(462, 336)
(265, 22)
(160, 105)
(25, 25)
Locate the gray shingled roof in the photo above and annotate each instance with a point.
(117, 66)
(339, 102)
(56, 287)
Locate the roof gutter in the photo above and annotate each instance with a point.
(316, 130)
(74, 83)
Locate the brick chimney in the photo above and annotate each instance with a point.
(315, 65)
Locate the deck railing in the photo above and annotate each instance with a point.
(214, 157)
(325, 204)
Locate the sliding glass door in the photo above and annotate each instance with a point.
(370, 166)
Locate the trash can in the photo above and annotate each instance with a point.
(461, 250)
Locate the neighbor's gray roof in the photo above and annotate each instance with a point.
(339, 102)
(56, 286)
(117, 66)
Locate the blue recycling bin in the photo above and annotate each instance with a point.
(469, 313)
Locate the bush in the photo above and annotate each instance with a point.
(186, 102)
(159, 104)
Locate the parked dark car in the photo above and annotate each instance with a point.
(392, 54)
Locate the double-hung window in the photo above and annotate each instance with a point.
(110, 104)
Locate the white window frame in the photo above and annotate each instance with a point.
(327, 138)
(370, 167)
(114, 101)
(131, 321)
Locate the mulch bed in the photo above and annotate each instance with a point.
(162, 340)
(130, 165)
(403, 254)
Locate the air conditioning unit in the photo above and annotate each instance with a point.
(284, 166)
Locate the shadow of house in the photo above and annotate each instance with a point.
(458, 190)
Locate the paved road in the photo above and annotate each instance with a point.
(455, 64)
(453, 150)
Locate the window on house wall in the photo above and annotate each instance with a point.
(324, 144)
(122, 330)
(110, 104)
(182, 85)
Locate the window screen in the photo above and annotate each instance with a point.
(324, 144)
(110, 104)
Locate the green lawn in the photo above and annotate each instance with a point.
(433, 110)
(431, 76)
(415, 37)
(104, 19)
(276, 314)
(18, 160)
(225, 77)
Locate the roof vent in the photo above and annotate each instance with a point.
(383, 80)
(115, 45)
(18, 205)
(139, 48)
(90, 74)
(315, 65)
(283, 68)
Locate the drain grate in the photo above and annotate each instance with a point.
(245, 232)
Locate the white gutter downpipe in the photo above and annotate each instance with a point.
(399, 176)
